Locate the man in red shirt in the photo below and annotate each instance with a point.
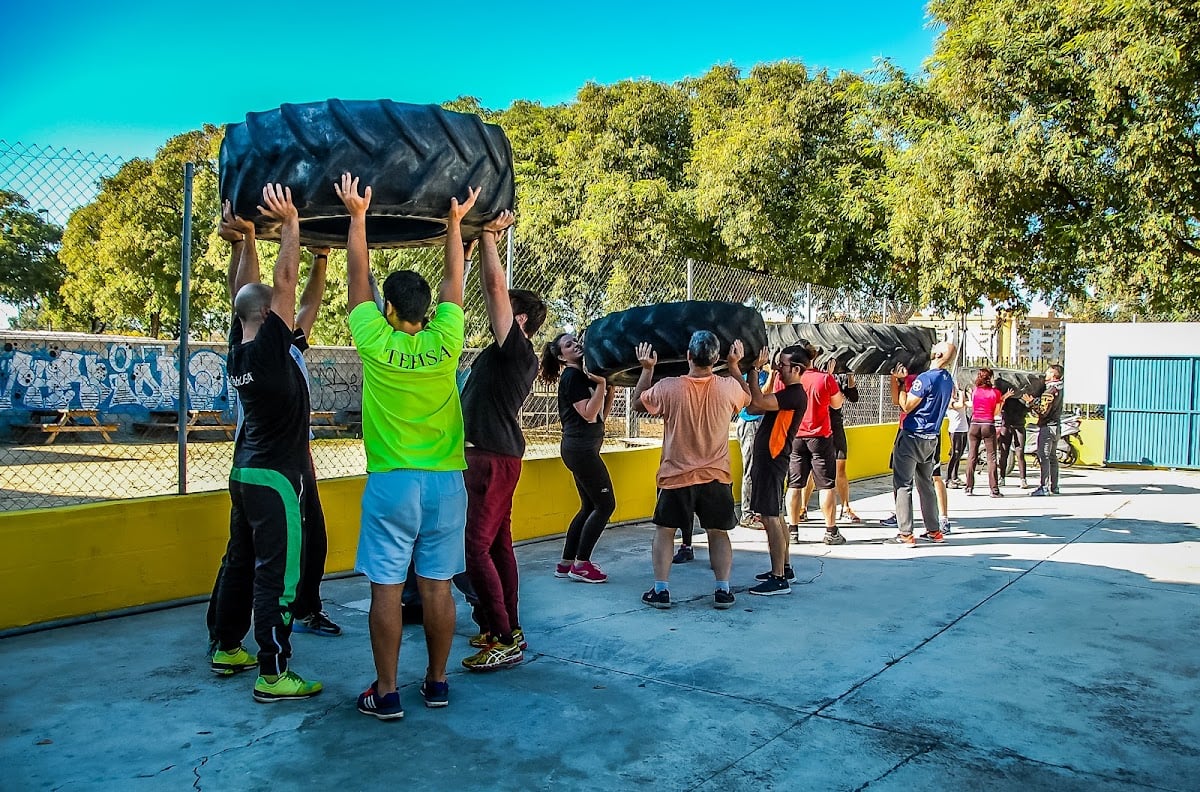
(813, 450)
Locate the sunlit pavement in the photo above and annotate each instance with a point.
(1050, 643)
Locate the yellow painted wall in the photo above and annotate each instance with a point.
(1092, 431)
(79, 560)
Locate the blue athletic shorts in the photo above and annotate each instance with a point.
(417, 515)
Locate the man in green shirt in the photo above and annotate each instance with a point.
(414, 504)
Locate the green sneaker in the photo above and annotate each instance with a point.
(288, 685)
(228, 663)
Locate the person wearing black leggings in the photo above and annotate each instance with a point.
(960, 425)
(584, 399)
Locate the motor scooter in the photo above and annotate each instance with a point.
(1069, 443)
(1067, 451)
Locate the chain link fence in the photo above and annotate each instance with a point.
(92, 417)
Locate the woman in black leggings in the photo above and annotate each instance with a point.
(584, 400)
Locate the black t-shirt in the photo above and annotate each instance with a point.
(273, 395)
(1014, 412)
(791, 398)
(574, 386)
(500, 380)
(836, 420)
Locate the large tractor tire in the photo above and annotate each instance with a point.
(414, 157)
(859, 348)
(1020, 382)
(611, 342)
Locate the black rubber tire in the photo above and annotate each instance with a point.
(861, 348)
(1022, 382)
(1069, 457)
(610, 342)
(414, 157)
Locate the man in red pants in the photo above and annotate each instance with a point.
(499, 381)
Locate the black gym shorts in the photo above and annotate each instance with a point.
(712, 502)
(840, 446)
(815, 455)
(768, 477)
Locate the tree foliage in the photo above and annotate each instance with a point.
(123, 251)
(30, 271)
(1048, 150)
(1056, 155)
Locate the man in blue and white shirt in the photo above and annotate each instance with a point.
(915, 454)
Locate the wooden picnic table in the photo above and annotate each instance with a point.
(198, 421)
(69, 421)
(326, 420)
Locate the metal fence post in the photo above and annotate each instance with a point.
(630, 420)
(689, 278)
(808, 300)
(185, 268)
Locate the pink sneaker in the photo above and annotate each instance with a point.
(587, 572)
(562, 570)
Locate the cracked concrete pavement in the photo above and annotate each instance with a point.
(1049, 644)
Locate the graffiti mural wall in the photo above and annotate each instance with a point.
(127, 378)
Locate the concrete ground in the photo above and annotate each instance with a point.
(1049, 644)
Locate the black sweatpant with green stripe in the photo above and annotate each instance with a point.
(312, 558)
(262, 563)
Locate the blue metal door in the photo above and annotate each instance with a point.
(1153, 415)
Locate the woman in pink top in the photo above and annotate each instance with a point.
(985, 412)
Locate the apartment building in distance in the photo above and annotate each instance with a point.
(1004, 339)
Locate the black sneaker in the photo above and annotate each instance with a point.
(684, 554)
(318, 623)
(722, 599)
(788, 574)
(1038, 493)
(436, 694)
(794, 533)
(657, 599)
(834, 538)
(771, 586)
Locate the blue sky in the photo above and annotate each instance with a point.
(120, 78)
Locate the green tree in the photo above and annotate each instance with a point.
(786, 170)
(122, 252)
(1056, 155)
(30, 271)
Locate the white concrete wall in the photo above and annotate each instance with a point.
(1089, 346)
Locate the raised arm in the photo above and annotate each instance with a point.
(589, 408)
(648, 358)
(451, 290)
(900, 397)
(279, 206)
(314, 291)
(836, 400)
(243, 257)
(491, 276)
(760, 402)
(358, 263)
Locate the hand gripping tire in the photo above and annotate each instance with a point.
(611, 342)
(414, 157)
(861, 348)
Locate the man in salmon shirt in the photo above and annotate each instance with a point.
(694, 478)
(813, 450)
(783, 412)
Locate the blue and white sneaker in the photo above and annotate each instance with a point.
(889, 522)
